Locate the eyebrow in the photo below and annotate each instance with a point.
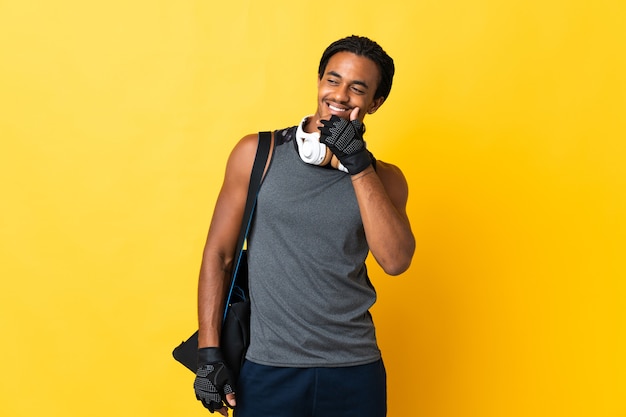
(335, 74)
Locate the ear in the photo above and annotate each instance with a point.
(376, 105)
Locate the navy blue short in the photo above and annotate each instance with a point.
(355, 391)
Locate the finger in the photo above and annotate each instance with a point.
(223, 411)
(354, 114)
(230, 399)
(318, 122)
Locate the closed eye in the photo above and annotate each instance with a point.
(357, 90)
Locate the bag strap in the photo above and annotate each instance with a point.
(256, 176)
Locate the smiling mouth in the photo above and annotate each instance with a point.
(335, 108)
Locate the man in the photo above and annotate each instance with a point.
(313, 348)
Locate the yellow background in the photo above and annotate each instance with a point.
(507, 117)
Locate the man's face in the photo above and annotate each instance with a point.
(348, 81)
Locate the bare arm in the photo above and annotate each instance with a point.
(382, 194)
(382, 197)
(219, 250)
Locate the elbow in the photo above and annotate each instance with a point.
(396, 259)
(398, 263)
(397, 267)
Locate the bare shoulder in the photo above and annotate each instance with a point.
(395, 184)
(241, 158)
(245, 149)
(390, 174)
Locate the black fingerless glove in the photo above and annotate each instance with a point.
(345, 139)
(213, 379)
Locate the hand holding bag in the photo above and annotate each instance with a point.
(235, 335)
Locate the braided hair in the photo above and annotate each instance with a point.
(365, 47)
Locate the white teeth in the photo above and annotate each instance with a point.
(336, 108)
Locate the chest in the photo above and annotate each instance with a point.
(306, 196)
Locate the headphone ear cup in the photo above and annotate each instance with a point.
(312, 152)
(309, 147)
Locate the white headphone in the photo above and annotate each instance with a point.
(312, 151)
(309, 147)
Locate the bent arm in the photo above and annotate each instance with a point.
(219, 250)
(382, 195)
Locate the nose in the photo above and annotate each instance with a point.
(341, 94)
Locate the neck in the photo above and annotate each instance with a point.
(310, 124)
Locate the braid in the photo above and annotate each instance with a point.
(362, 46)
